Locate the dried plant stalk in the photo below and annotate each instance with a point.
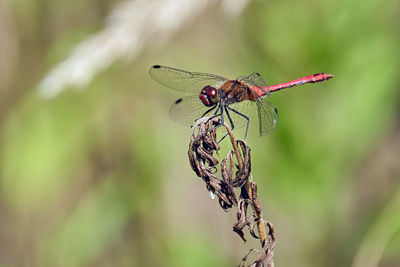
(203, 145)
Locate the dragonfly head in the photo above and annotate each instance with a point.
(209, 96)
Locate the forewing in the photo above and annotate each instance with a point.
(184, 81)
(267, 116)
(254, 79)
(187, 110)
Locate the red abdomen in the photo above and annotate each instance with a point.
(319, 77)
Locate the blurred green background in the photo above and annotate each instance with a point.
(100, 176)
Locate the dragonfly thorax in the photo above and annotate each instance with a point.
(209, 96)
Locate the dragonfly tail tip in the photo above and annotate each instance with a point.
(329, 76)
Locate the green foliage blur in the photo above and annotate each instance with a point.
(100, 176)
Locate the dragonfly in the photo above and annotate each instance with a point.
(237, 100)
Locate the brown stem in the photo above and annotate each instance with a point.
(250, 191)
(256, 206)
(234, 145)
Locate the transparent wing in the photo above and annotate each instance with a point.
(184, 81)
(267, 116)
(187, 110)
(254, 79)
(247, 108)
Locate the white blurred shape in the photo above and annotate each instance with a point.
(132, 26)
(234, 7)
(212, 195)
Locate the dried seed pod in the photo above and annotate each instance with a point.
(202, 148)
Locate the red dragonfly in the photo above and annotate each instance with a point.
(214, 95)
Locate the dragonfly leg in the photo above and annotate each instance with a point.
(216, 114)
(229, 117)
(205, 113)
(244, 116)
(208, 111)
(220, 108)
(230, 121)
(216, 111)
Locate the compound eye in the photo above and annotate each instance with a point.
(211, 91)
